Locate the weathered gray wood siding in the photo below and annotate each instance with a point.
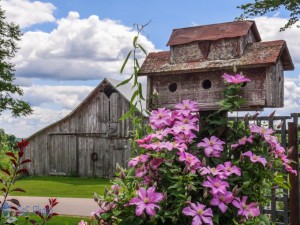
(207, 88)
(67, 146)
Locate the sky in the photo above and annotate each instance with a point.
(69, 46)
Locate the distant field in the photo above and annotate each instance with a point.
(52, 186)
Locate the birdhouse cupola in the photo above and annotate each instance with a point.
(200, 55)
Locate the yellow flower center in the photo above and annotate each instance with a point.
(185, 120)
(217, 184)
(228, 169)
(200, 211)
(211, 143)
(160, 115)
(222, 198)
(146, 200)
(255, 157)
(245, 207)
(188, 158)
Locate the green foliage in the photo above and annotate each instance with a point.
(10, 34)
(136, 111)
(261, 7)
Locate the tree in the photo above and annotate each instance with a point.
(261, 7)
(10, 34)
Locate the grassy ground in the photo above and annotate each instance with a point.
(76, 187)
(57, 220)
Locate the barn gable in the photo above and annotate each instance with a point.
(90, 140)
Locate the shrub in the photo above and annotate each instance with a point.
(194, 170)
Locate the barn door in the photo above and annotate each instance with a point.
(109, 114)
(62, 154)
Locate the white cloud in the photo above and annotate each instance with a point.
(44, 99)
(268, 28)
(26, 13)
(66, 97)
(25, 126)
(78, 49)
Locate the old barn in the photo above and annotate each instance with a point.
(90, 140)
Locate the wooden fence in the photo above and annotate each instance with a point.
(284, 206)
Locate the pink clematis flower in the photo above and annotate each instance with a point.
(188, 105)
(192, 162)
(185, 139)
(243, 141)
(216, 185)
(264, 132)
(160, 118)
(146, 200)
(216, 172)
(200, 214)
(254, 158)
(183, 128)
(228, 169)
(139, 159)
(212, 147)
(221, 200)
(235, 79)
(82, 222)
(250, 210)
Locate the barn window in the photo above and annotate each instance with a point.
(206, 84)
(107, 89)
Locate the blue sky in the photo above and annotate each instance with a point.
(69, 46)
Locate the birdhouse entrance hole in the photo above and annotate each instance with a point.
(172, 87)
(206, 84)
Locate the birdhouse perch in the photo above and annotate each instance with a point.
(200, 55)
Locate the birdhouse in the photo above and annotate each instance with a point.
(200, 55)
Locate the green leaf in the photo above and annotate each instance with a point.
(125, 62)
(124, 81)
(141, 91)
(134, 41)
(135, 94)
(141, 47)
(127, 114)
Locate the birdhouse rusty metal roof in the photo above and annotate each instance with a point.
(213, 32)
(257, 54)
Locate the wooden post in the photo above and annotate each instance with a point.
(294, 192)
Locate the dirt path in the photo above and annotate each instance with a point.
(66, 206)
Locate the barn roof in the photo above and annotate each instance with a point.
(125, 90)
(213, 32)
(257, 54)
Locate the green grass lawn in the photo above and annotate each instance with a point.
(52, 186)
(57, 220)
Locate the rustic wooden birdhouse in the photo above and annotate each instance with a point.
(200, 55)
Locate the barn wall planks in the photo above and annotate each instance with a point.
(66, 147)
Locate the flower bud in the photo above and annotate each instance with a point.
(236, 191)
(143, 216)
(122, 175)
(118, 168)
(116, 189)
(137, 186)
(205, 195)
(186, 169)
(290, 151)
(242, 157)
(203, 163)
(152, 175)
